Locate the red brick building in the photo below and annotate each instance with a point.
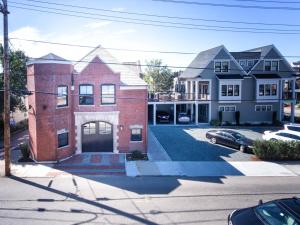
(96, 105)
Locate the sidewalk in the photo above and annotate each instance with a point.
(208, 168)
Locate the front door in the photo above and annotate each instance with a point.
(97, 136)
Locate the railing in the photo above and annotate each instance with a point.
(176, 96)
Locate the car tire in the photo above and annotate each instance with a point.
(273, 139)
(242, 148)
(213, 140)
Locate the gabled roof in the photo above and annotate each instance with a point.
(245, 55)
(200, 62)
(128, 74)
(229, 76)
(49, 58)
(264, 50)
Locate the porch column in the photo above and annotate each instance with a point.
(191, 89)
(197, 90)
(154, 114)
(192, 110)
(293, 103)
(196, 113)
(174, 111)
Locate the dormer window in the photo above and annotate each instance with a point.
(271, 65)
(243, 63)
(221, 66)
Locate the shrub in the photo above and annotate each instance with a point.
(215, 123)
(137, 155)
(237, 117)
(277, 150)
(220, 117)
(24, 150)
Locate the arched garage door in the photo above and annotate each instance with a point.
(97, 136)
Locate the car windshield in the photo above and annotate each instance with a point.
(293, 128)
(238, 136)
(275, 215)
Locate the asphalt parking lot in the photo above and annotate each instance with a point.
(188, 143)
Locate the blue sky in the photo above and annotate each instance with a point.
(57, 28)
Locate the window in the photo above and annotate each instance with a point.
(108, 94)
(243, 63)
(63, 139)
(224, 90)
(267, 65)
(86, 94)
(250, 63)
(263, 108)
(267, 89)
(136, 134)
(230, 90)
(229, 108)
(271, 65)
(293, 128)
(105, 128)
(62, 96)
(236, 90)
(221, 66)
(89, 128)
(217, 66)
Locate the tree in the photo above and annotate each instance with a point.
(158, 77)
(18, 79)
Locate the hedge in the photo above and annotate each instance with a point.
(277, 150)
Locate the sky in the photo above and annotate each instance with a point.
(28, 24)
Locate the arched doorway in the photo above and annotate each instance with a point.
(97, 136)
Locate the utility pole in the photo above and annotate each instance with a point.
(6, 111)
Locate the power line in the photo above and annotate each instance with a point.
(155, 66)
(163, 16)
(160, 25)
(119, 49)
(230, 5)
(269, 1)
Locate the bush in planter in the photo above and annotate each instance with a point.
(215, 123)
(137, 155)
(220, 117)
(277, 150)
(24, 150)
(237, 117)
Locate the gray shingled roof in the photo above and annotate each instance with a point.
(47, 59)
(266, 76)
(200, 62)
(245, 55)
(129, 75)
(263, 50)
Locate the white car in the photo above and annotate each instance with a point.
(281, 135)
(183, 118)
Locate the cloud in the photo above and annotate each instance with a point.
(95, 25)
(120, 9)
(127, 31)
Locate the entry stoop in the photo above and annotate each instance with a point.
(94, 164)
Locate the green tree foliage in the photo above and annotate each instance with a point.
(18, 79)
(158, 77)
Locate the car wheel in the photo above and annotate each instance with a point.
(242, 148)
(213, 140)
(273, 139)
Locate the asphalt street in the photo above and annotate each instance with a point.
(141, 200)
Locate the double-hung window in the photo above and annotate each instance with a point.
(108, 94)
(86, 94)
(63, 138)
(267, 89)
(136, 134)
(230, 90)
(62, 96)
(221, 66)
(272, 65)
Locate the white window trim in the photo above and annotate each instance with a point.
(264, 82)
(250, 60)
(230, 82)
(256, 106)
(271, 60)
(223, 106)
(221, 60)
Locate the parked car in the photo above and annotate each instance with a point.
(281, 135)
(276, 212)
(183, 118)
(292, 127)
(162, 117)
(230, 138)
